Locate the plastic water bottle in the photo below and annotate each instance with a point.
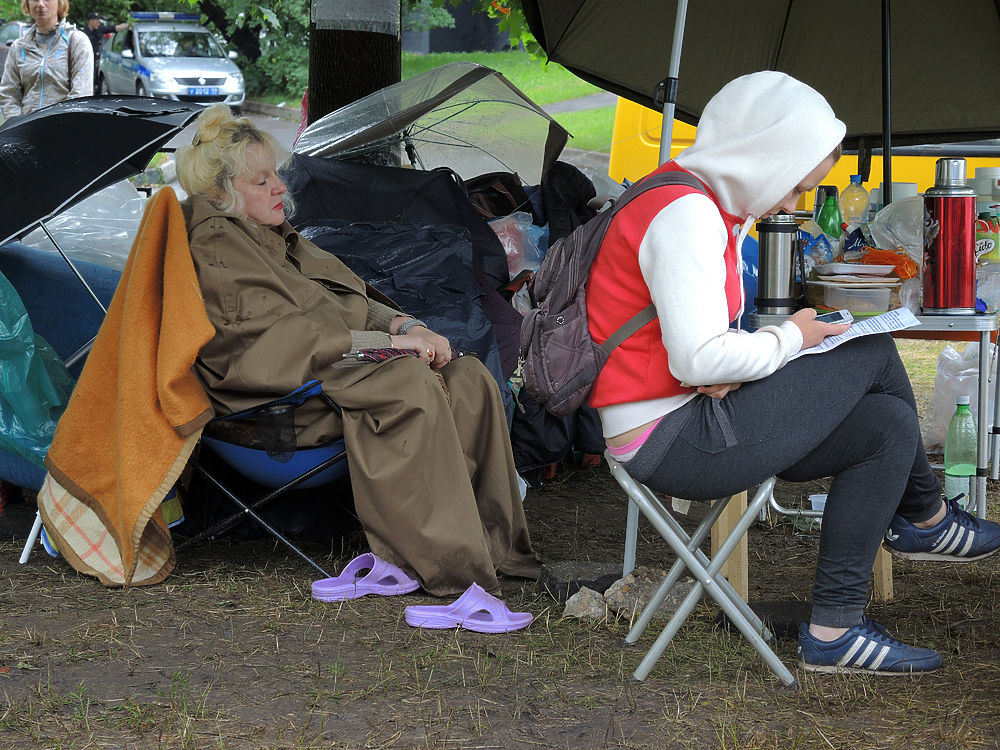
(854, 202)
(960, 453)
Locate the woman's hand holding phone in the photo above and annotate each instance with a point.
(815, 330)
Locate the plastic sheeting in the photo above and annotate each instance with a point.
(98, 229)
(463, 116)
(34, 384)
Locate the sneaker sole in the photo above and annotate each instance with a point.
(931, 556)
(834, 669)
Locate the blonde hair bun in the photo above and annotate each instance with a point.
(218, 153)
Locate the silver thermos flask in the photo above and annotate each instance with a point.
(779, 240)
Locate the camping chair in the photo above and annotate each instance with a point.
(277, 464)
(705, 571)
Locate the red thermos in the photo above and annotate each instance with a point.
(949, 242)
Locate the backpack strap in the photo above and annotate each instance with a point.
(647, 314)
(632, 325)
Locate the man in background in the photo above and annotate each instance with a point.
(95, 31)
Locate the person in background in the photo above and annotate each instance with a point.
(430, 460)
(95, 32)
(695, 409)
(52, 61)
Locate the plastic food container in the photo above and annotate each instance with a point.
(856, 300)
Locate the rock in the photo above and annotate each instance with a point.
(586, 603)
(563, 579)
(629, 595)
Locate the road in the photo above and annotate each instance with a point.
(283, 130)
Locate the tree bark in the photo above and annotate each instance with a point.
(345, 66)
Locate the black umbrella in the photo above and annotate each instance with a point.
(60, 154)
(945, 81)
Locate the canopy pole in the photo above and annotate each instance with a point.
(886, 109)
(670, 83)
(79, 276)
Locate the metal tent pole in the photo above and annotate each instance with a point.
(886, 108)
(669, 84)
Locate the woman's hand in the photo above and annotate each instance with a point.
(431, 347)
(814, 331)
(718, 390)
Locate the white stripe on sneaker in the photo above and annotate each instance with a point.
(947, 538)
(859, 641)
(968, 545)
(881, 657)
(866, 654)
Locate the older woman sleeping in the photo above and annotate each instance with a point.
(428, 449)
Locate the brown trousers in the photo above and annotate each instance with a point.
(433, 475)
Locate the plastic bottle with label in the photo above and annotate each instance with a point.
(960, 454)
(854, 203)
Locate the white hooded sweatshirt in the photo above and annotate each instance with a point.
(757, 139)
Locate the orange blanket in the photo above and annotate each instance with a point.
(135, 415)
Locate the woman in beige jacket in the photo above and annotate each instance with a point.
(52, 61)
(429, 453)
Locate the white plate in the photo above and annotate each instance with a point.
(853, 268)
(859, 284)
(845, 279)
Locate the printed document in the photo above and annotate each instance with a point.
(894, 320)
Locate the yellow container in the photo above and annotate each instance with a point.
(635, 151)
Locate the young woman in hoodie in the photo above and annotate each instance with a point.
(696, 409)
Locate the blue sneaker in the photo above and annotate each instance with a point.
(864, 648)
(960, 537)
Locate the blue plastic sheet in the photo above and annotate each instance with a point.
(34, 384)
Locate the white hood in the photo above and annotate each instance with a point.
(758, 138)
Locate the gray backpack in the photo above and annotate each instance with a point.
(559, 361)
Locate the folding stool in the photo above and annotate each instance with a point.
(705, 571)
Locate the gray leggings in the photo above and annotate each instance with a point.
(849, 414)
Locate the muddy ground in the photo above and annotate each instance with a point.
(231, 652)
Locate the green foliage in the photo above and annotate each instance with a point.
(423, 15)
(10, 10)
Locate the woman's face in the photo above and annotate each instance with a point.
(261, 188)
(45, 12)
(810, 182)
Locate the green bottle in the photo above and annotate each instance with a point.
(829, 217)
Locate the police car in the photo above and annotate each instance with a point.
(169, 56)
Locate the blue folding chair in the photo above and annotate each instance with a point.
(278, 464)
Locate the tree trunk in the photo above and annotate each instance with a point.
(344, 66)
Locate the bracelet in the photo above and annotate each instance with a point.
(406, 325)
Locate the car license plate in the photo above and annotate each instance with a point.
(203, 90)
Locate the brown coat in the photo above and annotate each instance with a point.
(431, 468)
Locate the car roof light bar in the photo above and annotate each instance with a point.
(149, 15)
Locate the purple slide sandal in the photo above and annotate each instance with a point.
(474, 610)
(381, 578)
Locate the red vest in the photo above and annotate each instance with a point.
(638, 370)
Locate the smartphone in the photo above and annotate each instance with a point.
(837, 316)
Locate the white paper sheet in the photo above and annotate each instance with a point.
(894, 320)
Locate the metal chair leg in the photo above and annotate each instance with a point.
(705, 571)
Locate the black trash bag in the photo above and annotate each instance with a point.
(426, 270)
(566, 192)
(324, 189)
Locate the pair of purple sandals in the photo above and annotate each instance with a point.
(475, 609)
